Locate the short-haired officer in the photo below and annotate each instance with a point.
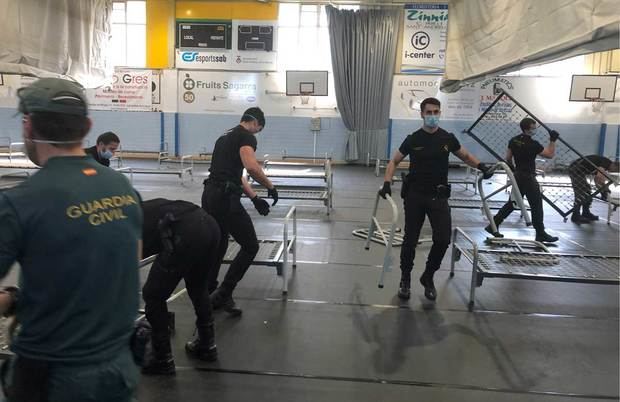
(578, 171)
(185, 239)
(75, 229)
(524, 149)
(107, 144)
(426, 193)
(221, 198)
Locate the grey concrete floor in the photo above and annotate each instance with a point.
(338, 337)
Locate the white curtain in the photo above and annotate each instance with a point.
(56, 37)
(487, 38)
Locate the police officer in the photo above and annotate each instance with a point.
(75, 228)
(107, 144)
(234, 151)
(185, 239)
(426, 192)
(578, 171)
(524, 150)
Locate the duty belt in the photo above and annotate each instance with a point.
(226, 185)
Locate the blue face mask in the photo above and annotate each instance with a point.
(106, 154)
(431, 121)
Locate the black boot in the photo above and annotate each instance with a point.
(489, 229)
(589, 215)
(222, 299)
(429, 285)
(203, 346)
(545, 237)
(160, 362)
(404, 290)
(577, 218)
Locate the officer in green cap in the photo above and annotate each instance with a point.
(74, 227)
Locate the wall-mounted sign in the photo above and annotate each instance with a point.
(424, 38)
(242, 45)
(130, 90)
(218, 91)
(216, 35)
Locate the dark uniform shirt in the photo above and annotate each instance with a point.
(226, 162)
(92, 151)
(153, 211)
(524, 150)
(74, 228)
(428, 157)
(582, 165)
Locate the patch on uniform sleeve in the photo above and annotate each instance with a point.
(89, 172)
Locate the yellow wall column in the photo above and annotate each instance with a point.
(160, 33)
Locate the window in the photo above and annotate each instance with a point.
(128, 44)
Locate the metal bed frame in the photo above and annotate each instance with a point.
(271, 253)
(181, 172)
(516, 196)
(520, 263)
(301, 192)
(389, 238)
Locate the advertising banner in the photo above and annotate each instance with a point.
(408, 91)
(130, 90)
(218, 91)
(424, 38)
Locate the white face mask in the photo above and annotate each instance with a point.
(31, 149)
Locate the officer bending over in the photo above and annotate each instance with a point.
(578, 171)
(221, 198)
(74, 227)
(185, 239)
(524, 150)
(426, 192)
(107, 144)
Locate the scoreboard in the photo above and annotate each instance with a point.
(204, 35)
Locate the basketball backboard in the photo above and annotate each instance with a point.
(306, 83)
(593, 88)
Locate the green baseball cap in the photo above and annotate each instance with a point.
(53, 95)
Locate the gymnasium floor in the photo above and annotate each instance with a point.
(339, 338)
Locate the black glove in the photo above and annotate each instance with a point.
(273, 193)
(261, 205)
(13, 292)
(553, 135)
(487, 172)
(605, 195)
(386, 189)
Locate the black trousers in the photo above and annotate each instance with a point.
(528, 185)
(581, 188)
(195, 255)
(417, 207)
(233, 220)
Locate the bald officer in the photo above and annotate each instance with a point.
(75, 229)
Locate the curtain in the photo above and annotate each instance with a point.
(363, 51)
(55, 38)
(489, 38)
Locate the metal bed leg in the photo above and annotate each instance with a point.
(285, 260)
(453, 256)
(295, 239)
(474, 282)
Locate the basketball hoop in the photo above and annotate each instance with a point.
(305, 97)
(597, 103)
